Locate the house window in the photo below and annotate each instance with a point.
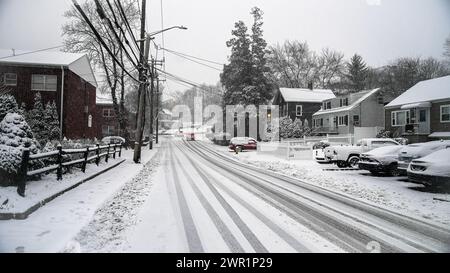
(108, 113)
(326, 105)
(343, 121)
(318, 123)
(400, 118)
(44, 82)
(108, 130)
(445, 113)
(299, 110)
(344, 102)
(10, 79)
(356, 120)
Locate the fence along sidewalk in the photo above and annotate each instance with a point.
(105, 151)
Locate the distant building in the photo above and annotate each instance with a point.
(342, 114)
(65, 78)
(422, 113)
(299, 103)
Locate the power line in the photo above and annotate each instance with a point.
(162, 33)
(190, 56)
(194, 61)
(104, 17)
(188, 82)
(100, 39)
(127, 23)
(31, 52)
(118, 25)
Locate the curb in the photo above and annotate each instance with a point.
(28, 212)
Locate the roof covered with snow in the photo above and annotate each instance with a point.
(77, 63)
(365, 95)
(103, 99)
(305, 95)
(425, 91)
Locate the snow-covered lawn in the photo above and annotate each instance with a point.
(52, 226)
(394, 193)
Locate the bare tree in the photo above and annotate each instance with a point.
(78, 37)
(294, 65)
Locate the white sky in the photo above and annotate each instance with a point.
(379, 30)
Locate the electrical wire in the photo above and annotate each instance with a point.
(194, 61)
(100, 39)
(190, 56)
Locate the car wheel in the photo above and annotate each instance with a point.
(395, 172)
(341, 164)
(353, 161)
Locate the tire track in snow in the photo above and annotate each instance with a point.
(224, 231)
(194, 242)
(289, 239)
(249, 235)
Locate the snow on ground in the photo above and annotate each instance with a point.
(37, 191)
(51, 227)
(394, 193)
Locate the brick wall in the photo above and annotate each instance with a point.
(79, 97)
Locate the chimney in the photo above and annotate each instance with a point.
(311, 86)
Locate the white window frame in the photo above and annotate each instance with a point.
(441, 114)
(341, 121)
(45, 89)
(394, 117)
(301, 110)
(110, 112)
(5, 80)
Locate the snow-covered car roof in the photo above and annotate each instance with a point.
(425, 147)
(386, 150)
(241, 140)
(442, 155)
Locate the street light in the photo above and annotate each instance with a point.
(161, 31)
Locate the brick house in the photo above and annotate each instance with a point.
(65, 78)
(341, 115)
(422, 113)
(299, 103)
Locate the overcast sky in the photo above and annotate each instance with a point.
(379, 30)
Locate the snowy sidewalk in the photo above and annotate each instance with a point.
(393, 193)
(52, 226)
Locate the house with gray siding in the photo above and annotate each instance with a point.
(422, 113)
(298, 103)
(341, 115)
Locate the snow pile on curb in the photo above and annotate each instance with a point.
(105, 232)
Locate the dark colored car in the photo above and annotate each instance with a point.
(245, 143)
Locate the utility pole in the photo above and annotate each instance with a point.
(152, 88)
(144, 52)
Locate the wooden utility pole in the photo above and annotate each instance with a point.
(152, 103)
(144, 52)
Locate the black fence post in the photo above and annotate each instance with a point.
(107, 154)
(120, 150)
(22, 175)
(60, 162)
(86, 154)
(97, 160)
(115, 151)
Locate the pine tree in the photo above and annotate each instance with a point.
(8, 104)
(286, 127)
(53, 130)
(357, 73)
(297, 128)
(36, 120)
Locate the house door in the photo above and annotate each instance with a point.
(423, 119)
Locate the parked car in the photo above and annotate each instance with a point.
(245, 143)
(348, 155)
(319, 152)
(113, 140)
(381, 160)
(418, 150)
(189, 136)
(431, 170)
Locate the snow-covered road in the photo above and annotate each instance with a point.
(201, 201)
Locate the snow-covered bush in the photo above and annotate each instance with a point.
(15, 132)
(52, 129)
(35, 118)
(10, 160)
(8, 105)
(286, 127)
